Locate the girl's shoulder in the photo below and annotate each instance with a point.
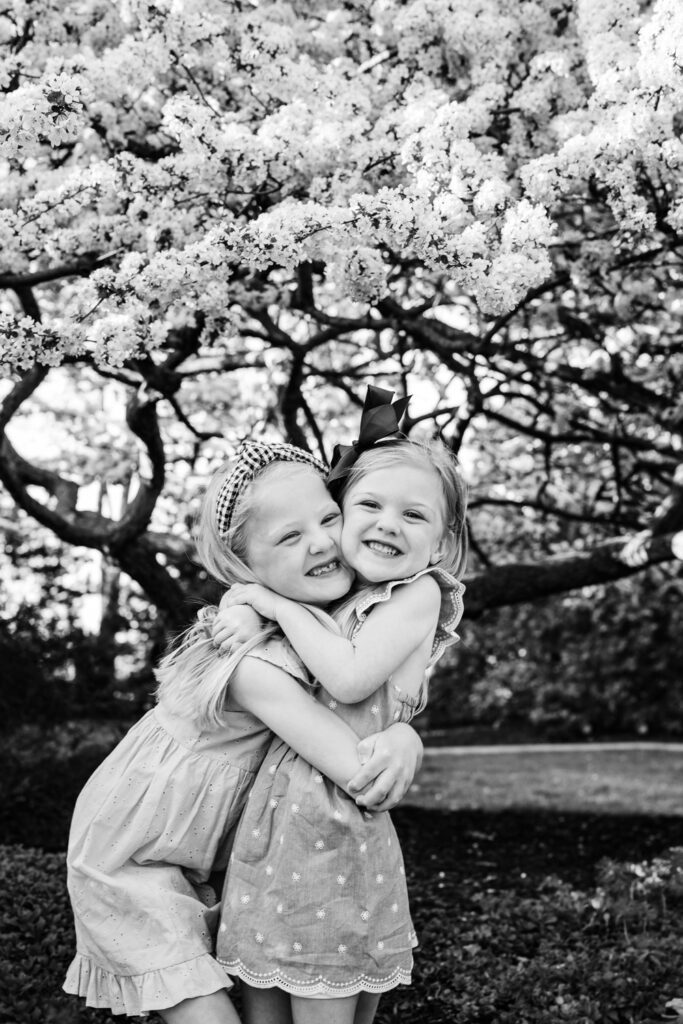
(278, 651)
(450, 611)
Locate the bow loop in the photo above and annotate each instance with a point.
(379, 421)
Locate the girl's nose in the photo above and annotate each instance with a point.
(321, 541)
(388, 521)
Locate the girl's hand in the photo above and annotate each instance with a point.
(234, 626)
(390, 760)
(261, 599)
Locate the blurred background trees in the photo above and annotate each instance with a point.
(222, 221)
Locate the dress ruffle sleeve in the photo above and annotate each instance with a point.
(450, 612)
(278, 651)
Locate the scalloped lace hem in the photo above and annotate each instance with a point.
(137, 993)
(319, 986)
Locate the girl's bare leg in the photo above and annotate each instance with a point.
(213, 1009)
(265, 1005)
(324, 1011)
(366, 1008)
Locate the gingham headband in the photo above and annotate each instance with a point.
(253, 456)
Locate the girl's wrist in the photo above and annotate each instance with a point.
(281, 605)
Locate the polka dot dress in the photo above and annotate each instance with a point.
(315, 900)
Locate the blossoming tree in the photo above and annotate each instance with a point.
(220, 219)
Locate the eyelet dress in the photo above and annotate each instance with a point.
(151, 824)
(315, 899)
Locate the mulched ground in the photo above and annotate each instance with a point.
(514, 849)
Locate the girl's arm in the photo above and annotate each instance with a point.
(352, 671)
(314, 732)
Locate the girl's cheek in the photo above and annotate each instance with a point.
(343, 546)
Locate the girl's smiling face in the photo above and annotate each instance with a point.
(393, 523)
(293, 534)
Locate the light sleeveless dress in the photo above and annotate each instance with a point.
(151, 824)
(315, 899)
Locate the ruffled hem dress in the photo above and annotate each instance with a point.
(315, 899)
(151, 825)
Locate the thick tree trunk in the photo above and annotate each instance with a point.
(140, 561)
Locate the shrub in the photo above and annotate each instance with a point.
(637, 896)
(53, 670)
(42, 773)
(50, 668)
(572, 666)
(37, 941)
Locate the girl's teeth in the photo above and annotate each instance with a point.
(323, 570)
(383, 548)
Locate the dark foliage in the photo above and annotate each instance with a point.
(42, 773)
(513, 927)
(51, 670)
(54, 671)
(599, 662)
(524, 918)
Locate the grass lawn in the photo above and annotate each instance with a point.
(609, 780)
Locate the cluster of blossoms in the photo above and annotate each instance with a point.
(193, 150)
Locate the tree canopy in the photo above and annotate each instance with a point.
(220, 220)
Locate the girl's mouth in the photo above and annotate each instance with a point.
(324, 570)
(382, 549)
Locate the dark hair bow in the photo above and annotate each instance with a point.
(379, 420)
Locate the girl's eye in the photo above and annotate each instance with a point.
(414, 515)
(332, 517)
(288, 536)
(366, 503)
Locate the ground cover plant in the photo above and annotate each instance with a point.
(525, 916)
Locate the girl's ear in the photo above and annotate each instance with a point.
(441, 548)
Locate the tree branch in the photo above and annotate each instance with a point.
(289, 401)
(516, 583)
(141, 417)
(81, 268)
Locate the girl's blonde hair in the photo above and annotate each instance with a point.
(431, 454)
(193, 676)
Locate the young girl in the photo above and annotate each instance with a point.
(154, 820)
(315, 901)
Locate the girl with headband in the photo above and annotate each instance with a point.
(315, 903)
(154, 821)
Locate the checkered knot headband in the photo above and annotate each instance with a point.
(253, 456)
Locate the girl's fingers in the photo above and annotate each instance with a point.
(382, 795)
(221, 634)
(366, 748)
